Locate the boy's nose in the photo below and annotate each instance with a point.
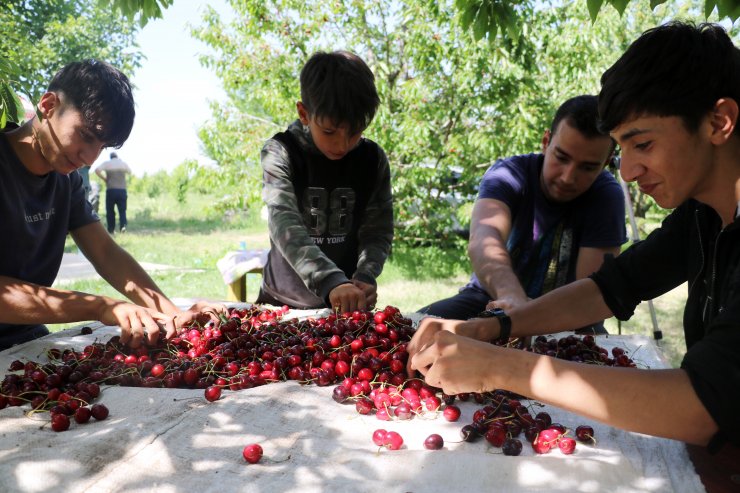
(90, 153)
(629, 169)
(342, 145)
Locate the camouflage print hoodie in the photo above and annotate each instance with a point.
(329, 221)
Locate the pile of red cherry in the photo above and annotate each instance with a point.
(249, 348)
(364, 352)
(501, 421)
(505, 418)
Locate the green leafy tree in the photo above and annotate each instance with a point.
(451, 104)
(488, 17)
(37, 37)
(141, 10)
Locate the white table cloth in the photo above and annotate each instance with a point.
(173, 440)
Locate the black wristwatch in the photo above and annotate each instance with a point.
(503, 320)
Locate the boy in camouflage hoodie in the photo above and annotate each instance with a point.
(328, 193)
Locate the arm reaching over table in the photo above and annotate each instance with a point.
(637, 400)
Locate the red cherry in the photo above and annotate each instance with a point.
(541, 446)
(432, 403)
(451, 413)
(365, 374)
(59, 422)
(379, 437)
(567, 445)
(434, 442)
(99, 412)
(512, 446)
(213, 393)
(364, 406)
(252, 453)
(341, 368)
(82, 415)
(393, 440)
(340, 394)
(550, 437)
(496, 436)
(157, 370)
(585, 434)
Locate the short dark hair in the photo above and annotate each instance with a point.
(339, 86)
(581, 113)
(677, 69)
(102, 94)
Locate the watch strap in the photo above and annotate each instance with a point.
(503, 320)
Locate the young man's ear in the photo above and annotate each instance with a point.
(723, 120)
(546, 140)
(302, 112)
(48, 103)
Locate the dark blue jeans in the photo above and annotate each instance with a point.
(115, 197)
(470, 301)
(466, 304)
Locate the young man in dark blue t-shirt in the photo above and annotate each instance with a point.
(542, 220)
(87, 107)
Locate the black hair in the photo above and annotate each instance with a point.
(339, 86)
(581, 113)
(102, 94)
(677, 69)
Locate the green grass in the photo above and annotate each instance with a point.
(191, 238)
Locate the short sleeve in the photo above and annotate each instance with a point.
(603, 214)
(80, 212)
(506, 180)
(648, 268)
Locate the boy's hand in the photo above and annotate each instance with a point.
(138, 324)
(347, 298)
(201, 312)
(371, 293)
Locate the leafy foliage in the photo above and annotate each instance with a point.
(37, 37)
(488, 17)
(144, 10)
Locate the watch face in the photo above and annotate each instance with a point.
(496, 312)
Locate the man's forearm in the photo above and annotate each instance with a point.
(130, 279)
(492, 265)
(27, 303)
(577, 304)
(636, 400)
